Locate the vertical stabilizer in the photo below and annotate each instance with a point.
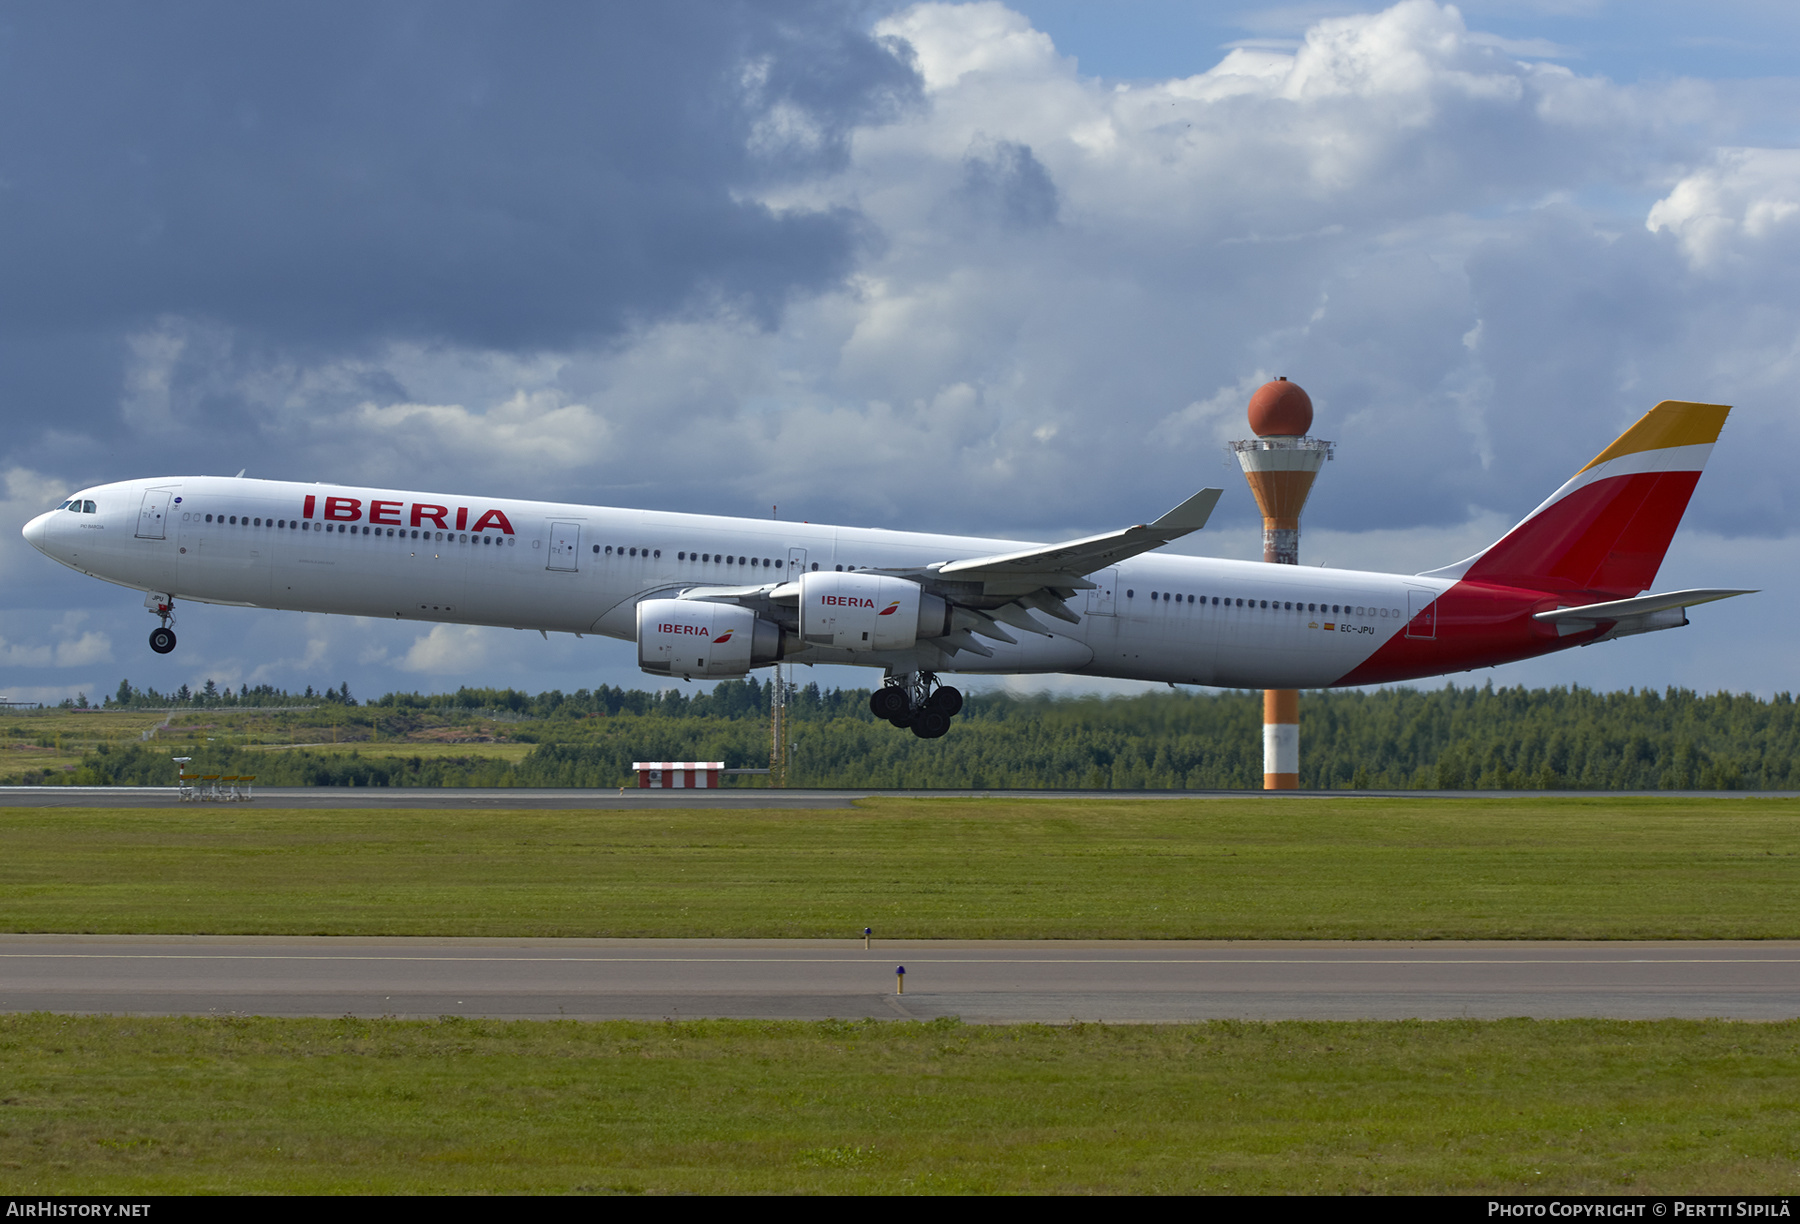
(1607, 529)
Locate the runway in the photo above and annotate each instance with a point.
(979, 981)
(632, 799)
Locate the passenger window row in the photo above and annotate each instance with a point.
(1274, 605)
(724, 559)
(728, 559)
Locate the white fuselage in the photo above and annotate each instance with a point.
(559, 567)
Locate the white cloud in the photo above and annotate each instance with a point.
(78, 652)
(88, 648)
(77, 648)
(146, 402)
(27, 494)
(953, 41)
(785, 129)
(1215, 420)
(531, 431)
(1531, 48)
(26, 489)
(1412, 50)
(13, 654)
(1736, 211)
(448, 650)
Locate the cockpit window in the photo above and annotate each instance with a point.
(87, 507)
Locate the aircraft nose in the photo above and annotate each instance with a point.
(38, 530)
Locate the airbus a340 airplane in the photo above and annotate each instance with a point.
(705, 596)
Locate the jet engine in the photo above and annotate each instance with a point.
(692, 637)
(854, 611)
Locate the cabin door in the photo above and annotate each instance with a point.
(565, 545)
(1421, 613)
(153, 514)
(1101, 598)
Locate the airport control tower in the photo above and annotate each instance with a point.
(1280, 464)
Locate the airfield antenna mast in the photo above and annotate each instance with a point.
(1280, 463)
(778, 730)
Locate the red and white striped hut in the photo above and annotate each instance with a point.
(679, 775)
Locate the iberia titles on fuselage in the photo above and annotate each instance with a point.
(708, 596)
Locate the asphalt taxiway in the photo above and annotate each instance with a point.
(979, 981)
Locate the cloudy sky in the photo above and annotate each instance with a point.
(961, 267)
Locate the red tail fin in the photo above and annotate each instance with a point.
(1607, 529)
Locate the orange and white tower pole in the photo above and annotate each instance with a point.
(1280, 464)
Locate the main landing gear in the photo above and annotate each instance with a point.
(917, 700)
(162, 638)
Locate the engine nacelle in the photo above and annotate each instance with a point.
(691, 637)
(868, 612)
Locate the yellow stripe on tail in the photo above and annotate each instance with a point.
(1670, 423)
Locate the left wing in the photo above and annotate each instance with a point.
(1067, 564)
(988, 592)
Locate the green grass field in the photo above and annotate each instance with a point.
(1503, 868)
(141, 1105)
(53, 742)
(95, 1105)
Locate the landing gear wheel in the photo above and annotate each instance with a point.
(890, 702)
(918, 701)
(930, 723)
(162, 640)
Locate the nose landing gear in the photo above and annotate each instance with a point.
(918, 701)
(162, 639)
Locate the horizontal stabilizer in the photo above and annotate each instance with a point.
(1619, 609)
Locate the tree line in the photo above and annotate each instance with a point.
(1449, 738)
(210, 696)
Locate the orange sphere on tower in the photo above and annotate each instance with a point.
(1280, 409)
